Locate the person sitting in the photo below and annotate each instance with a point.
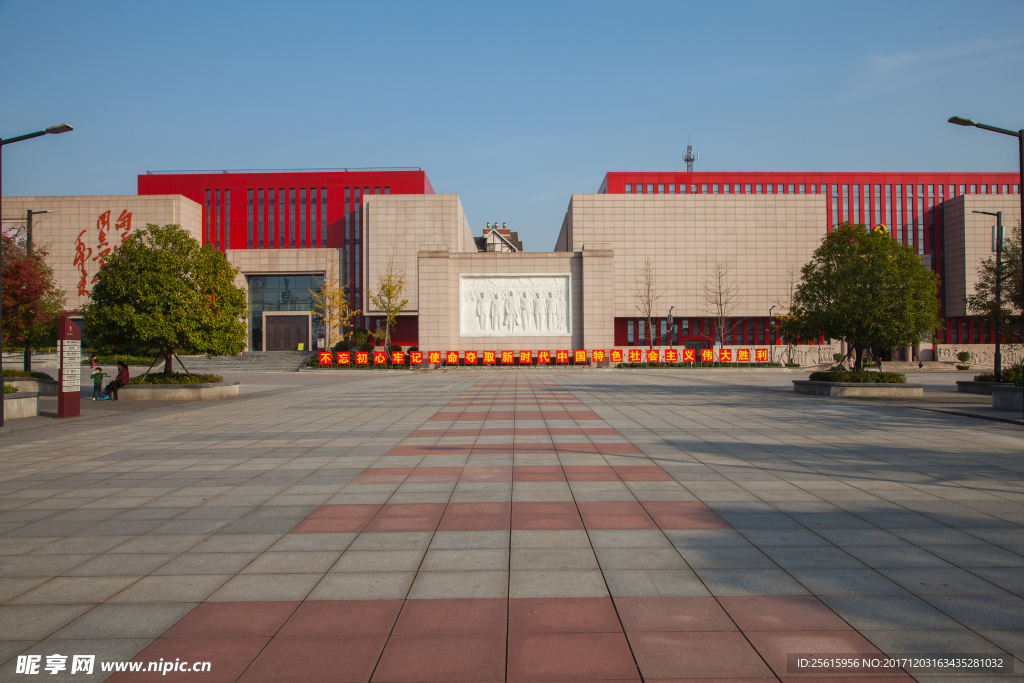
(120, 381)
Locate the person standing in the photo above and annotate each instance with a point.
(97, 381)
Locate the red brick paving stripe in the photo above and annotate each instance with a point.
(453, 615)
(443, 657)
(424, 475)
(407, 517)
(360, 510)
(775, 646)
(342, 618)
(783, 613)
(492, 473)
(382, 475)
(673, 614)
(322, 658)
(697, 654)
(229, 658)
(589, 473)
(570, 656)
(234, 619)
(453, 449)
(538, 473)
(562, 615)
(684, 515)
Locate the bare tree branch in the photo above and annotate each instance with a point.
(721, 294)
(647, 291)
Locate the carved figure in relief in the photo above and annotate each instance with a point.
(495, 313)
(508, 322)
(549, 311)
(538, 313)
(524, 314)
(560, 310)
(481, 312)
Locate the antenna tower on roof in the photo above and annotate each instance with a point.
(690, 156)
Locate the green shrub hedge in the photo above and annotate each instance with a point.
(1013, 375)
(8, 372)
(112, 359)
(178, 378)
(8, 389)
(860, 377)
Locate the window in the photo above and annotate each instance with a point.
(725, 188)
(758, 189)
(250, 219)
(322, 220)
(760, 331)
(867, 202)
(899, 213)
(387, 190)
(377, 190)
(629, 332)
(707, 326)
(714, 189)
(846, 202)
(684, 327)
(693, 189)
(908, 215)
(856, 203)
(661, 188)
(671, 188)
(974, 189)
(227, 219)
(984, 189)
(790, 190)
(314, 213)
(650, 188)
(704, 188)
(282, 212)
(271, 218)
(878, 206)
(259, 218)
(1016, 189)
(746, 189)
(956, 331)
(778, 189)
(664, 332)
(216, 217)
(814, 189)
(641, 339)
(302, 218)
(736, 189)
(291, 218)
(1005, 189)
(835, 204)
(207, 220)
(768, 188)
(888, 208)
(920, 219)
(629, 188)
(802, 189)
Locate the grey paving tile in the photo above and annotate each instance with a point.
(639, 558)
(178, 527)
(68, 590)
(453, 540)
(81, 545)
(759, 520)
(954, 641)
(813, 557)
(35, 622)
(654, 583)
(549, 539)
(125, 621)
(379, 561)
(629, 538)
(1011, 641)
(161, 544)
(941, 535)
(311, 562)
(895, 556)
(728, 557)
(750, 582)
(206, 563)
(235, 543)
(40, 565)
(466, 559)
(121, 564)
(889, 613)
(977, 556)
(192, 588)
(941, 581)
(303, 542)
(1010, 579)
(706, 538)
(557, 584)
(784, 537)
(460, 584)
(394, 540)
(266, 587)
(871, 537)
(846, 582)
(982, 611)
(363, 586)
(13, 587)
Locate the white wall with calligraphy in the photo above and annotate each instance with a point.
(85, 229)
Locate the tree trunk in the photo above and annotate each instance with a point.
(858, 364)
(168, 364)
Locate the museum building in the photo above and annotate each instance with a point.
(287, 230)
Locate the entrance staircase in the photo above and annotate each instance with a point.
(247, 361)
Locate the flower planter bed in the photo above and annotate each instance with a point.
(21, 404)
(43, 387)
(1008, 398)
(857, 389)
(969, 387)
(177, 392)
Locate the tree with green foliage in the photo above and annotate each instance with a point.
(1011, 300)
(162, 291)
(388, 299)
(867, 289)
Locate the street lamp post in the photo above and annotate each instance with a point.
(961, 121)
(998, 246)
(771, 340)
(28, 250)
(670, 323)
(52, 130)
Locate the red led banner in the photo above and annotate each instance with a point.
(689, 355)
(544, 357)
(525, 357)
(671, 356)
(636, 356)
(652, 355)
(616, 355)
(725, 355)
(325, 357)
(434, 357)
(415, 357)
(362, 357)
(743, 355)
(579, 357)
(471, 357)
(344, 358)
(598, 356)
(707, 356)
(397, 358)
(761, 355)
(562, 356)
(489, 357)
(380, 358)
(507, 358)
(452, 358)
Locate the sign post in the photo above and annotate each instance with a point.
(69, 347)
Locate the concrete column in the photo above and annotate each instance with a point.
(435, 309)
(599, 296)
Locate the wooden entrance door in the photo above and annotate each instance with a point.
(286, 332)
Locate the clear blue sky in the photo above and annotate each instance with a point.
(515, 105)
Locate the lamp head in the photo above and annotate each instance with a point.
(59, 128)
(961, 121)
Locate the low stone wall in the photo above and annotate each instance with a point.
(979, 387)
(982, 355)
(21, 404)
(803, 386)
(177, 392)
(43, 387)
(1008, 398)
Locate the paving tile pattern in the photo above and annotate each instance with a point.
(514, 526)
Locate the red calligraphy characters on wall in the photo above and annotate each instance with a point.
(80, 258)
(108, 239)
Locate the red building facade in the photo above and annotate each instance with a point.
(908, 204)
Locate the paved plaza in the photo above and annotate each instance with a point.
(511, 525)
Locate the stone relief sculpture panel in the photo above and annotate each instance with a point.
(514, 305)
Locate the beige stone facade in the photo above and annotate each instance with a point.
(762, 239)
(967, 238)
(84, 228)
